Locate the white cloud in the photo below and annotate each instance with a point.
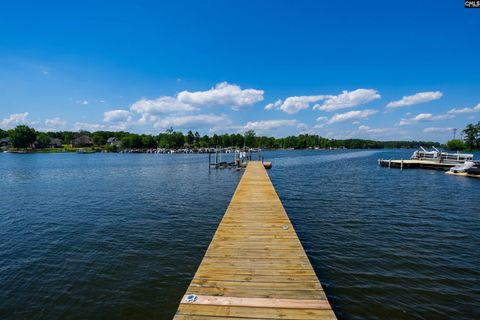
(425, 117)
(199, 119)
(367, 129)
(294, 104)
(88, 126)
(465, 110)
(223, 94)
(55, 123)
(363, 128)
(161, 105)
(117, 116)
(275, 105)
(348, 99)
(359, 114)
(322, 119)
(15, 120)
(84, 126)
(302, 126)
(82, 102)
(225, 129)
(269, 124)
(437, 129)
(420, 97)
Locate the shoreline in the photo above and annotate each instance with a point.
(89, 150)
(179, 151)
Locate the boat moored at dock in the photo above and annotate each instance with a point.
(429, 159)
(468, 169)
(440, 156)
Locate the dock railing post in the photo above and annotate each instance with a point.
(401, 164)
(389, 163)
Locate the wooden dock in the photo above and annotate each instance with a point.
(255, 266)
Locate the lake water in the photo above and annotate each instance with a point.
(119, 236)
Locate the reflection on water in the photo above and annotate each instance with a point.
(121, 235)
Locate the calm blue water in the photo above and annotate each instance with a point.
(119, 236)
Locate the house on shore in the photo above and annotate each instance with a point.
(82, 142)
(5, 143)
(55, 143)
(114, 142)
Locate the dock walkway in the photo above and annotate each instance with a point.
(255, 266)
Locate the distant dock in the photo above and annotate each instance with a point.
(236, 159)
(255, 266)
(429, 159)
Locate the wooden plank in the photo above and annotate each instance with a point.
(259, 302)
(246, 312)
(255, 266)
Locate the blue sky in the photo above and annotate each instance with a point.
(367, 69)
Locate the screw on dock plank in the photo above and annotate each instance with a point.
(191, 298)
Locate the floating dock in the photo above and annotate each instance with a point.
(407, 164)
(463, 174)
(255, 266)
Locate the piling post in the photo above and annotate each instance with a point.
(401, 164)
(389, 163)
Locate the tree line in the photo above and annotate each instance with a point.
(471, 139)
(25, 137)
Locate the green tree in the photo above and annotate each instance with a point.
(204, 142)
(164, 140)
(149, 141)
(99, 139)
(3, 134)
(178, 139)
(471, 135)
(478, 135)
(43, 140)
(190, 138)
(249, 138)
(23, 136)
(132, 141)
(197, 138)
(66, 136)
(456, 145)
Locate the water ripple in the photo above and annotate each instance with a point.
(121, 235)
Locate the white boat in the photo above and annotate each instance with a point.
(463, 167)
(442, 157)
(468, 169)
